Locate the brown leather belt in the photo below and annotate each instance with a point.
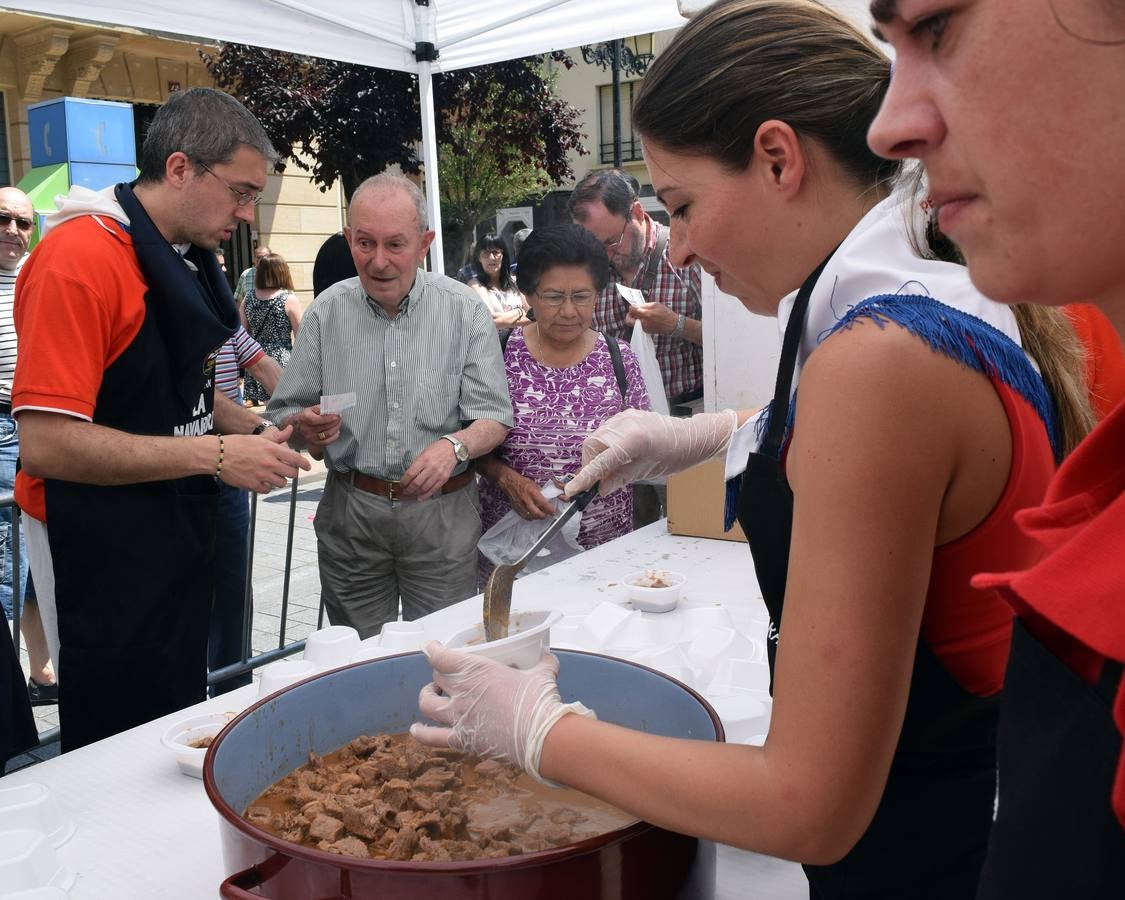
(390, 489)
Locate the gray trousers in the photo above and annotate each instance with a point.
(372, 551)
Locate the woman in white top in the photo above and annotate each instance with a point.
(492, 279)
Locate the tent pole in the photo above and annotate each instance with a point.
(430, 163)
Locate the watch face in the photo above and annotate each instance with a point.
(459, 449)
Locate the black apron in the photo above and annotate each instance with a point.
(17, 724)
(929, 833)
(1056, 835)
(132, 562)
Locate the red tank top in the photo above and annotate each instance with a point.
(969, 629)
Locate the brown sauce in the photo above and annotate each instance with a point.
(388, 797)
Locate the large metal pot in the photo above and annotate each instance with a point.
(274, 737)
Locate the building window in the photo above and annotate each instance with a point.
(5, 162)
(630, 143)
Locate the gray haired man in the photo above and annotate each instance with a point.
(400, 515)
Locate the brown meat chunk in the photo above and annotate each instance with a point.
(436, 780)
(298, 833)
(312, 809)
(390, 765)
(260, 815)
(345, 781)
(404, 844)
(350, 846)
(371, 821)
(396, 793)
(326, 828)
(366, 744)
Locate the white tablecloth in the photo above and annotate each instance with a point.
(145, 830)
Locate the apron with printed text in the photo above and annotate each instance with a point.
(132, 562)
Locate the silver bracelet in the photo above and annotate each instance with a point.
(678, 330)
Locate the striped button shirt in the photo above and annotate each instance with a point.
(239, 352)
(427, 372)
(681, 361)
(8, 330)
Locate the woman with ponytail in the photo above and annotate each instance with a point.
(909, 423)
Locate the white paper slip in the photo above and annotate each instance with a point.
(632, 295)
(336, 403)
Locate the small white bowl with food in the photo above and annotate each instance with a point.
(189, 739)
(655, 590)
(529, 636)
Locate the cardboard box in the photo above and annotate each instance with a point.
(695, 503)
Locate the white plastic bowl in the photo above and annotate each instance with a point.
(32, 806)
(28, 861)
(332, 646)
(655, 599)
(529, 636)
(403, 635)
(599, 626)
(179, 737)
(284, 672)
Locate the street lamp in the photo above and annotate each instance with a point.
(629, 55)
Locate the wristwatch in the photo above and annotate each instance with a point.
(459, 448)
(262, 426)
(678, 329)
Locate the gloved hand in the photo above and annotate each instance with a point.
(491, 710)
(635, 444)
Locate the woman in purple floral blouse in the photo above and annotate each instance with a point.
(563, 384)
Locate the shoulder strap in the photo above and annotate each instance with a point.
(790, 344)
(618, 365)
(654, 260)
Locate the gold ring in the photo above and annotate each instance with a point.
(320, 435)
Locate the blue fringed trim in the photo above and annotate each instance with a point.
(730, 506)
(968, 340)
(953, 333)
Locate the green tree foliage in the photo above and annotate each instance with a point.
(351, 121)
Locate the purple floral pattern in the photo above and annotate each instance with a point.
(554, 411)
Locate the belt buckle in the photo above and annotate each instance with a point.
(392, 486)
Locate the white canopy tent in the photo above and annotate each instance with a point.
(389, 34)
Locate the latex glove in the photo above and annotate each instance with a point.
(491, 710)
(635, 445)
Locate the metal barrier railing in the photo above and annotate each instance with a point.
(248, 661)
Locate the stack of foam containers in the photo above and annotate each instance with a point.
(32, 829)
(698, 646)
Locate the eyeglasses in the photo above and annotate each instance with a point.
(21, 223)
(244, 197)
(558, 298)
(493, 252)
(609, 245)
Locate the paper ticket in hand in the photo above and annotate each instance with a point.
(631, 295)
(336, 403)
